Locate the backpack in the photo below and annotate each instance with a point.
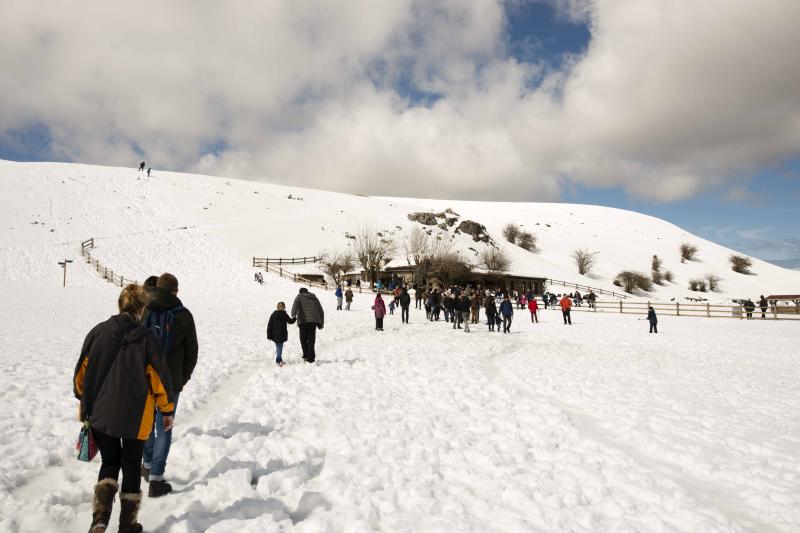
(162, 323)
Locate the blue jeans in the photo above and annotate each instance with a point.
(156, 449)
(278, 352)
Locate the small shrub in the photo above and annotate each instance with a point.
(688, 252)
(669, 277)
(697, 284)
(713, 282)
(741, 264)
(527, 241)
(511, 232)
(630, 280)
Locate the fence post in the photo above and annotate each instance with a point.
(775, 311)
(280, 260)
(280, 270)
(620, 306)
(708, 310)
(677, 309)
(294, 278)
(122, 281)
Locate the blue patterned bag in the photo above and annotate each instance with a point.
(86, 446)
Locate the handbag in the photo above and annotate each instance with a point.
(86, 445)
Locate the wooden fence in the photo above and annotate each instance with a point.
(587, 288)
(106, 273)
(702, 310)
(264, 262)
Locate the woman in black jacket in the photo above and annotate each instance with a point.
(278, 332)
(120, 380)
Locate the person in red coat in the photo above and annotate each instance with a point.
(533, 307)
(380, 311)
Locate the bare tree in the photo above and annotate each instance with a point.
(372, 251)
(584, 260)
(511, 232)
(527, 241)
(495, 260)
(741, 263)
(336, 265)
(422, 250)
(451, 268)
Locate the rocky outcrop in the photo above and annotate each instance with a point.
(477, 231)
(427, 219)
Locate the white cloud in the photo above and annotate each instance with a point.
(670, 99)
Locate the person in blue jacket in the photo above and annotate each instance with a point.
(652, 318)
(339, 296)
(507, 311)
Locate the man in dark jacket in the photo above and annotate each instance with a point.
(310, 317)
(436, 304)
(652, 318)
(464, 305)
(405, 303)
(181, 359)
(762, 303)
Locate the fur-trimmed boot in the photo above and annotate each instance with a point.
(103, 500)
(129, 510)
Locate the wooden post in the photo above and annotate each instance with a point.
(775, 311)
(620, 306)
(280, 260)
(64, 266)
(122, 281)
(677, 309)
(708, 310)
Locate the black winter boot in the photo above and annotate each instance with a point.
(129, 510)
(103, 500)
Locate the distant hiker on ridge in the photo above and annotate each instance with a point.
(141, 166)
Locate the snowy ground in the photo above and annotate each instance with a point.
(595, 427)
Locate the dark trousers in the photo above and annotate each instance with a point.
(534, 316)
(378, 322)
(120, 454)
(567, 318)
(763, 312)
(419, 303)
(308, 336)
(404, 313)
(653, 327)
(507, 323)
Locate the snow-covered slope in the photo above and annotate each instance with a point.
(46, 208)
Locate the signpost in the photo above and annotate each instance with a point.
(64, 266)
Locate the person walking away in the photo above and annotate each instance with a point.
(417, 297)
(652, 318)
(380, 311)
(310, 317)
(749, 307)
(277, 330)
(465, 306)
(148, 172)
(474, 308)
(507, 312)
(762, 303)
(533, 307)
(566, 307)
(120, 373)
(339, 295)
(405, 303)
(348, 298)
(491, 312)
(391, 306)
(141, 166)
(436, 305)
(174, 326)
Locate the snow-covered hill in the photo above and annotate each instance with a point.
(47, 208)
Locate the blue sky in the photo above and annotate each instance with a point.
(651, 151)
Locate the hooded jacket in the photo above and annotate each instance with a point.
(307, 309)
(120, 378)
(277, 330)
(182, 357)
(565, 303)
(379, 307)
